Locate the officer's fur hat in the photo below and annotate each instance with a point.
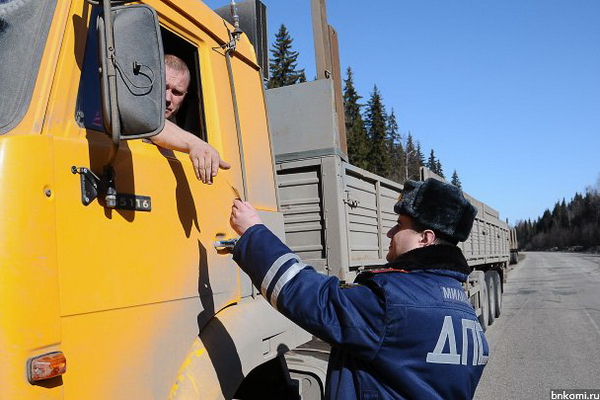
(438, 206)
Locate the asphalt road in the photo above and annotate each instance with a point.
(548, 336)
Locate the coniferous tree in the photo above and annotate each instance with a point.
(413, 162)
(376, 123)
(283, 63)
(419, 161)
(393, 131)
(396, 150)
(440, 171)
(432, 162)
(356, 133)
(455, 180)
(302, 76)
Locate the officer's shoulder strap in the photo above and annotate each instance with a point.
(386, 270)
(368, 275)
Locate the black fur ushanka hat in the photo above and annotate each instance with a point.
(438, 206)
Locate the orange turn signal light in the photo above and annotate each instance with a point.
(46, 366)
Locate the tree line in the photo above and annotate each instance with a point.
(572, 226)
(373, 135)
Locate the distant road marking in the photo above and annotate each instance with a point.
(592, 321)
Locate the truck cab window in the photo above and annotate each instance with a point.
(23, 31)
(190, 115)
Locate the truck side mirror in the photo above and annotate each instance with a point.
(132, 72)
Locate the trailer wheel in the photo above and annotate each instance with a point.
(498, 283)
(491, 289)
(484, 299)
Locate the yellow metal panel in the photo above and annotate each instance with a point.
(129, 353)
(257, 146)
(29, 310)
(105, 253)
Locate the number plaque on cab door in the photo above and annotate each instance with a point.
(133, 202)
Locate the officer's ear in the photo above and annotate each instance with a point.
(427, 238)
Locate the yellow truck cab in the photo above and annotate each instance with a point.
(114, 277)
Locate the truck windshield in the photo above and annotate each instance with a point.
(24, 25)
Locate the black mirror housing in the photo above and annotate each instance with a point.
(253, 21)
(138, 61)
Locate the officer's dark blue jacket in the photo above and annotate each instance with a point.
(405, 333)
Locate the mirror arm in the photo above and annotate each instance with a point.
(94, 186)
(112, 80)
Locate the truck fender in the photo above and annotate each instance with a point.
(234, 342)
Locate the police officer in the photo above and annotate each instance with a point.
(407, 331)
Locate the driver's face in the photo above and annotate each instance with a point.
(177, 86)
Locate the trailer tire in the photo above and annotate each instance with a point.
(498, 283)
(491, 290)
(484, 317)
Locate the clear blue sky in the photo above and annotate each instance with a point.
(506, 92)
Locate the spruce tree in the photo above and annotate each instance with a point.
(412, 160)
(356, 133)
(376, 123)
(283, 63)
(416, 162)
(396, 149)
(432, 162)
(420, 155)
(439, 170)
(456, 180)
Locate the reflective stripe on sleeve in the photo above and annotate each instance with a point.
(266, 282)
(285, 278)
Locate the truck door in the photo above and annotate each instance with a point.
(137, 283)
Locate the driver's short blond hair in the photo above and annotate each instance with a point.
(177, 64)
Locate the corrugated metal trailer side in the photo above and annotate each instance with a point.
(336, 215)
(488, 242)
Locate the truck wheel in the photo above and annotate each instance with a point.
(491, 286)
(484, 302)
(498, 282)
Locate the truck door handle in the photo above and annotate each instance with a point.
(228, 244)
